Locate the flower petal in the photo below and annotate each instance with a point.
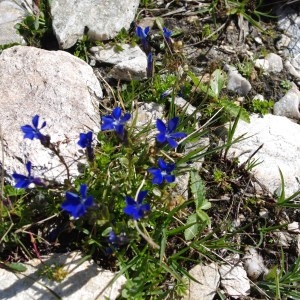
(130, 201)
(28, 167)
(145, 207)
(131, 211)
(172, 143)
(141, 196)
(169, 178)
(35, 121)
(172, 124)
(116, 113)
(83, 190)
(161, 137)
(162, 164)
(120, 129)
(125, 118)
(161, 127)
(107, 123)
(89, 202)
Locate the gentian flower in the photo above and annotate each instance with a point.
(167, 34)
(149, 65)
(31, 132)
(117, 240)
(166, 133)
(142, 34)
(115, 121)
(22, 181)
(85, 141)
(77, 205)
(163, 172)
(136, 209)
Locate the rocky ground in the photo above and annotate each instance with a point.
(260, 56)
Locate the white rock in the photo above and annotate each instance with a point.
(84, 280)
(294, 227)
(288, 105)
(236, 82)
(280, 149)
(101, 19)
(62, 90)
(290, 68)
(131, 63)
(234, 280)
(275, 62)
(283, 42)
(11, 13)
(209, 279)
(188, 108)
(262, 64)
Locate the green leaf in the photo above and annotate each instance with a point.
(192, 231)
(15, 267)
(203, 215)
(234, 110)
(198, 191)
(217, 82)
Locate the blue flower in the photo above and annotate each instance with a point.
(33, 132)
(163, 172)
(77, 205)
(115, 121)
(85, 141)
(136, 209)
(142, 34)
(167, 33)
(149, 65)
(166, 133)
(117, 240)
(22, 181)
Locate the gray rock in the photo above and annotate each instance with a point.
(236, 82)
(188, 108)
(280, 150)
(129, 64)
(101, 19)
(209, 280)
(287, 22)
(262, 64)
(84, 280)
(234, 280)
(283, 42)
(288, 105)
(62, 90)
(275, 63)
(271, 63)
(291, 69)
(11, 13)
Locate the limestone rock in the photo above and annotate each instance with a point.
(234, 280)
(102, 20)
(236, 82)
(288, 105)
(11, 13)
(209, 279)
(62, 90)
(83, 281)
(281, 149)
(128, 64)
(271, 63)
